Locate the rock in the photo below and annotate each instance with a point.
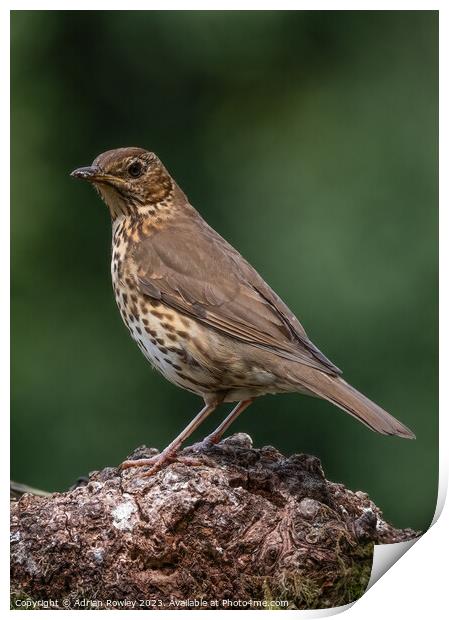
(242, 528)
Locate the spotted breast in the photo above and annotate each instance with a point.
(180, 348)
(169, 340)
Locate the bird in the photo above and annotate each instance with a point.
(199, 312)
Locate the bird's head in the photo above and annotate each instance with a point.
(130, 180)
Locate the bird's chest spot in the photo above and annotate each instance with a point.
(120, 241)
(161, 334)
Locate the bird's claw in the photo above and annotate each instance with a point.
(158, 462)
(136, 463)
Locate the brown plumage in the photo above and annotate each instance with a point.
(199, 311)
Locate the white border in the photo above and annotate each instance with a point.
(414, 585)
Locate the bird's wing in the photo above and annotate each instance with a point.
(191, 268)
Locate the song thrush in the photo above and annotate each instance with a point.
(199, 312)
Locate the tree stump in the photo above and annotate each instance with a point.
(236, 528)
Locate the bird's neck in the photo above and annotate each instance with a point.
(144, 219)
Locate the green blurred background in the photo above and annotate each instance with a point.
(309, 141)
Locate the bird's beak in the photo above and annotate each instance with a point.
(88, 173)
(93, 174)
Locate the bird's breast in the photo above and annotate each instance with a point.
(186, 352)
(168, 339)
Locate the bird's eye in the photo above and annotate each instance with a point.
(135, 169)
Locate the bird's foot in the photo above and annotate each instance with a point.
(138, 462)
(158, 462)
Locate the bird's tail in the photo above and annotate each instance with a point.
(337, 391)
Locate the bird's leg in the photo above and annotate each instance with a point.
(169, 454)
(218, 433)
